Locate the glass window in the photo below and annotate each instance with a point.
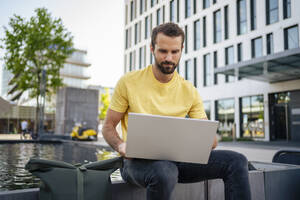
(188, 10)
(291, 37)
(145, 57)
(226, 27)
(229, 59)
(225, 116)
(141, 57)
(140, 31)
(146, 5)
(151, 58)
(241, 17)
(152, 3)
(189, 75)
(286, 9)
(216, 76)
(217, 26)
(146, 27)
(186, 39)
(178, 10)
(270, 48)
(272, 11)
(256, 47)
(158, 17)
(204, 31)
(252, 116)
(207, 79)
(229, 55)
(253, 14)
(197, 35)
(164, 15)
(129, 37)
(126, 14)
(172, 11)
(135, 33)
(135, 8)
(130, 61)
(151, 23)
(206, 105)
(195, 6)
(131, 10)
(141, 6)
(206, 4)
(126, 39)
(240, 52)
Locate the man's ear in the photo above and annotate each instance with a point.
(151, 48)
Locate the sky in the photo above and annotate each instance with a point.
(97, 26)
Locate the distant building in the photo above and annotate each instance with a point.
(75, 71)
(242, 55)
(74, 74)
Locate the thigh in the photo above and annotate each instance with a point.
(141, 171)
(216, 167)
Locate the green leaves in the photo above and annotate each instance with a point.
(33, 45)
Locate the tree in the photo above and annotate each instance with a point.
(35, 50)
(105, 100)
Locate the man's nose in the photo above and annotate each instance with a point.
(169, 57)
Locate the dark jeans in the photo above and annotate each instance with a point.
(160, 177)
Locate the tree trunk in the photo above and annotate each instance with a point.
(37, 114)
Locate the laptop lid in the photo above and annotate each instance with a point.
(169, 138)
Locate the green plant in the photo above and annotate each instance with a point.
(32, 48)
(105, 100)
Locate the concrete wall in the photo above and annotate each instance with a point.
(271, 181)
(75, 105)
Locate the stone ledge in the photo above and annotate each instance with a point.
(272, 181)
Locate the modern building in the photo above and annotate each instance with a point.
(242, 55)
(74, 74)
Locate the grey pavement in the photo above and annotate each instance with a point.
(259, 151)
(254, 151)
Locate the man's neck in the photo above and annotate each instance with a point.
(161, 77)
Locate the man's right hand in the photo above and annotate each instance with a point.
(122, 149)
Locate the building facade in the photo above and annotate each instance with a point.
(74, 74)
(242, 55)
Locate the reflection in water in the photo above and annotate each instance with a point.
(14, 157)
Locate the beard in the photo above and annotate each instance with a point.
(167, 69)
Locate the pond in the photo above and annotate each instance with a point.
(14, 157)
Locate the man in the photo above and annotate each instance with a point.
(24, 126)
(159, 90)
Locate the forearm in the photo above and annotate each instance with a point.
(111, 136)
(215, 143)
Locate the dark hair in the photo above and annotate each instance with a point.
(169, 29)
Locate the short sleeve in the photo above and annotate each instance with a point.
(119, 101)
(197, 109)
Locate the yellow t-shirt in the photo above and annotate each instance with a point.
(140, 92)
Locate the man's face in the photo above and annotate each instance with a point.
(167, 52)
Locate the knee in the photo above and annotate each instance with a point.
(239, 162)
(164, 173)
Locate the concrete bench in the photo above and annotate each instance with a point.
(271, 181)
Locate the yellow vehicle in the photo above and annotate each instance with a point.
(79, 133)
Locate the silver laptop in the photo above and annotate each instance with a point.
(169, 138)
